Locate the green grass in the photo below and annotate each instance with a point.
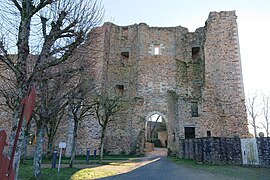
(231, 171)
(26, 172)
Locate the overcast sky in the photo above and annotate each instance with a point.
(253, 27)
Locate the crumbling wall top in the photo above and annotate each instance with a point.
(221, 15)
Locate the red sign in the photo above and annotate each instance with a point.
(28, 103)
(5, 173)
(6, 169)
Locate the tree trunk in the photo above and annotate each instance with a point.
(73, 152)
(255, 128)
(17, 156)
(49, 148)
(25, 143)
(267, 129)
(23, 51)
(70, 136)
(24, 148)
(38, 153)
(102, 144)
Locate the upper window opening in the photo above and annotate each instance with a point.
(195, 52)
(125, 55)
(125, 31)
(119, 90)
(156, 49)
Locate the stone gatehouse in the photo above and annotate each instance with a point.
(193, 80)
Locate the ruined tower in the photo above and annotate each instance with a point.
(192, 79)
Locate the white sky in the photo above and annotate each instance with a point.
(253, 27)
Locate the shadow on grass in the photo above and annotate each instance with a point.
(112, 165)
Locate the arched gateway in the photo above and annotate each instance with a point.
(156, 130)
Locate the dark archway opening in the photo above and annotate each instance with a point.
(156, 131)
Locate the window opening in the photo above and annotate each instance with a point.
(195, 52)
(208, 133)
(194, 109)
(125, 32)
(119, 90)
(124, 56)
(189, 132)
(156, 49)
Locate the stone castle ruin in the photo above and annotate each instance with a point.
(193, 80)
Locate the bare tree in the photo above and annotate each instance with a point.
(106, 109)
(49, 111)
(50, 29)
(79, 108)
(266, 107)
(253, 112)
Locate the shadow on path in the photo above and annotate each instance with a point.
(159, 168)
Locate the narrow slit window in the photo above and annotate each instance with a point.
(125, 32)
(194, 109)
(208, 133)
(156, 49)
(195, 52)
(119, 90)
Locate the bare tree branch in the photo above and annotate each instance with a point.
(252, 112)
(17, 5)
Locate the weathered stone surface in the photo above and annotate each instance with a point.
(263, 145)
(221, 150)
(212, 150)
(166, 71)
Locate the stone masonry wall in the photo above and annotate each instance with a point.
(220, 150)
(223, 90)
(263, 145)
(201, 67)
(212, 150)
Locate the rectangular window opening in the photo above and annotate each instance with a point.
(156, 49)
(195, 52)
(194, 109)
(125, 55)
(125, 31)
(208, 133)
(119, 90)
(189, 132)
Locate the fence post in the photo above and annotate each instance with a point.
(54, 158)
(87, 154)
(95, 153)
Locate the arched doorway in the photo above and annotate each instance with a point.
(156, 131)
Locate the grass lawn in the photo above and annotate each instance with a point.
(25, 171)
(231, 171)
